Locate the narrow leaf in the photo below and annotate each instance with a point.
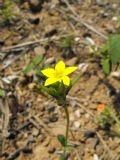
(61, 139)
(106, 65)
(62, 157)
(2, 93)
(115, 49)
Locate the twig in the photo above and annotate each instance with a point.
(14, 47)
(105, 146)
(76, 17)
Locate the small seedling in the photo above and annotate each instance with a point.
(110, 53)
(67, 46)
(2, 92)
(7, 11)
(36, 65)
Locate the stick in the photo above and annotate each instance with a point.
(78, 18)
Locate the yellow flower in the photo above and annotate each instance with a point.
(59, 74)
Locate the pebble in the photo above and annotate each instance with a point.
(39, 50)
(87, 116)
(51, 150)
(89, 134)
(115, 74)
(77, 39)
(95, 157)
(72, 61)
(76, 125)
(50, 60)
(115, 19)
(90, 40)
(77, 113)
(83, 67)
(35, 132)
(53, 118)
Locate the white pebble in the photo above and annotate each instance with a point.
(77, 125)
(115, 74)
(77, 39)
(77, 113)
(83, 67)
(95, 157)
(90, 40)
(114, 19)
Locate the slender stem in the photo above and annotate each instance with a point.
(67, 125)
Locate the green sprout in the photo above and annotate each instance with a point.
(67, 46)
(7, 11)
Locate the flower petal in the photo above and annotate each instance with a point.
(66, 80)
(60, 66)
(49, 72)
(69, 70)
(50, 81)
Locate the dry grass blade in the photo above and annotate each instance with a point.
(78, 18)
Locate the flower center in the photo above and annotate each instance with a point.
(59, 74)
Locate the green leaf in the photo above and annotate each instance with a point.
(2, 93)
(28, 68)
(105, 48)
(62, 140)
(74, 81)
(51, 91)
(106, 65)
(114, 49)
(36, 61)
(69, 147)
(62, 157)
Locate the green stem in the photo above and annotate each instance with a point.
(67, 125)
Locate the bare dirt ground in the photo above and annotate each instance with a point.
(36, 119)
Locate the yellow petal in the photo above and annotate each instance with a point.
(50, 81)
(49, 72)
(60, 66)
(66, 80)
(69, 70)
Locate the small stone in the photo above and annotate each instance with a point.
(35, 132)
(39, 50)
(115, 19)
(51, 150)
(51, 108)
(72, 61)
(50, 60)
(115, 74)
(77, 113)
(87, 116)
(53, 118)
(90, 41)
(89, 134)
(76, 125)
(77, 39)
(83, 67)
(95, 157)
